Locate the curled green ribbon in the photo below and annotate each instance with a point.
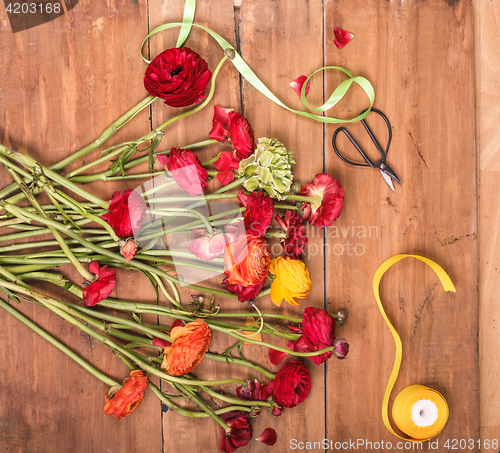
(251, 77)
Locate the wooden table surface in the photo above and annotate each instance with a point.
(435, 73)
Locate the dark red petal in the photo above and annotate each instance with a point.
(177, 323)
(268, 437)
(342, 37)
(276, 357)
(160, 342)
(298, 83)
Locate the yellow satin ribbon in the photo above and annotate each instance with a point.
(406, 399)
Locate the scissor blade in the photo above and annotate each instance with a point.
(389, 172)
(387, 179)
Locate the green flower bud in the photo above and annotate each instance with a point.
(269, 168)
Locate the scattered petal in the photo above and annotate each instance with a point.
(298, 83)
(268, 437)
(342, 37)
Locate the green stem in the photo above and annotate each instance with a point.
(109, 132)
(57, 236)
(58, 345)
(313, 200)
(220, 358)
(290, 207)
(228, 399)
(120, 259)
(207, 409)
(64, 312)
(109, 173)
(151, 135)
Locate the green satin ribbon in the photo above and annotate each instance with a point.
(251, 77)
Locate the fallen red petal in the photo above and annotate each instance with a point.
(298, 83)
(342, 37)
(268, 437)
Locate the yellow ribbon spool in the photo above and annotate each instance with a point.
(418, 411)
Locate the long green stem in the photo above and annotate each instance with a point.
(65, 312)
(228, 399)
(100, 250)
(109, 132)
(57, 236)
(193, 414)
(58, 345)
(152, 135)
(106, 175)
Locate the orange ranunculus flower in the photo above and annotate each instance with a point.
(247, 262)
(190, 342)
(292, 280)
(125, 400)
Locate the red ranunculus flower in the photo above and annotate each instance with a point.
(330, 200)
(259, 212)
(178, 76)
(102, 287)
(127, 212)
(240, 433)
(296, 237)
(186, 169)
(318, 332)
(292, 384)
(233, 126)
(126, 400)
(247, 263)
(241, 135)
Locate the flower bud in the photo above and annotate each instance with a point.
(342, 316)
(296, 187)
(275, 410)
(341, 348)
(255, 411)
(128, 249)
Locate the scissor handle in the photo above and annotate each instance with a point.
(383, 153)
(369, 163)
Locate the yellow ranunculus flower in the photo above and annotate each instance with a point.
(292, 280)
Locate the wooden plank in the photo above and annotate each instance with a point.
(62, 83)
(421, 65)
(486, 40)
(279, 50)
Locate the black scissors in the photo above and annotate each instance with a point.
(385, 170)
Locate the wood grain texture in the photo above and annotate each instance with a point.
(63, 82)
(280, 50)
(421, 66)
(487, 39)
